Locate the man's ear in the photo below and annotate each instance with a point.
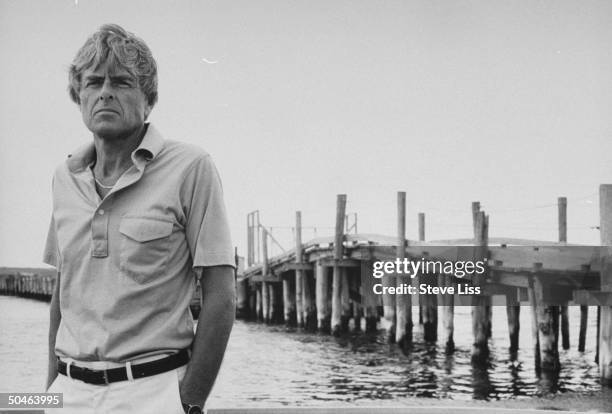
(147, 111)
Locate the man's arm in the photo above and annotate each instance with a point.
(213, 330)
(54, 321)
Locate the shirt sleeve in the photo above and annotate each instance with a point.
(51, 254)
(207, 227)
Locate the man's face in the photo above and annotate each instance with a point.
(112, 104)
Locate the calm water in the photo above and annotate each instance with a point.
(270, 365)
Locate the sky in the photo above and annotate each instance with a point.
(503, 102)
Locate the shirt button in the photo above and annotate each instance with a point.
(101, 212)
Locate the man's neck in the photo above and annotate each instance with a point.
(113, 155)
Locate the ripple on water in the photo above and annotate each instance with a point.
(272, 365)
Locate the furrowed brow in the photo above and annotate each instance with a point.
(122, 78)
(93, 77)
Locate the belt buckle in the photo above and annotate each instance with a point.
(105, 377)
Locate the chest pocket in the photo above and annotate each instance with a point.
(145, 244)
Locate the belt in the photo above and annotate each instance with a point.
(106, 376)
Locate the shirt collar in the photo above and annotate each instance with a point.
(150, 146)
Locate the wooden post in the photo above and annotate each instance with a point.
(534, 326)
(299, 274)
(548, 330)
(421, 226)
(252, 291)
(322, 289)
(513, 312)
(513, 315)
(250, 238)
(562, 208)
(428, 304)
(584, 316)
(389, 313)
(598, 334)
(345, 301)
(354, 278)
(370, 300)
(265, 302)
(605, 323)
(403, 308)
(258, 302)
(265, 292)
(242, 299)
(447, 309)
(480, 315)
(289, 300)
(565, 341)
(336, 324)
(272, 303)
(416, 279)
(308, 300)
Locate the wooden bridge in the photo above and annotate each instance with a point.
(326, 283)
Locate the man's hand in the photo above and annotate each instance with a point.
(54, 321)
(214, 326)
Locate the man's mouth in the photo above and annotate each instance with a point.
(106, 111)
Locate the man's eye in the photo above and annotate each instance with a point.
(92, 82)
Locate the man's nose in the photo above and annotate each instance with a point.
(107, 93)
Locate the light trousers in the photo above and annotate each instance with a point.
(157, 394)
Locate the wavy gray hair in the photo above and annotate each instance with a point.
(113, 44)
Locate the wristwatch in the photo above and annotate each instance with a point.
(192, 409)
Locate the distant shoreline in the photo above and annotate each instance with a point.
(48, 271)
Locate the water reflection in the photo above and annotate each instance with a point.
(359, 367)
(271, 365)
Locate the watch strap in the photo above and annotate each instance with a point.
(192, 409)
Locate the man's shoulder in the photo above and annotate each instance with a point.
(184, 153)
(76, 160)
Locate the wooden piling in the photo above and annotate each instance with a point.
(370, 300)
(534, 325)
(354, 277)
(562, 215)
(428, 304)
(347, 309)
(289, 300)
(265, 302)
(272, 303)
(548, 330)
(584, 316)
(480, 315)
(565, 340)
(513, 312)
(403, 305)
(308, 300)
(336, 323)
(265, 292)
(252, 290)
(250, 240)
(242, 291)
(322, 289)
(447, 310)
(416, 279)
(605, 322)
(258, 302)
(299, 273)
(485, 301)
(598, 334)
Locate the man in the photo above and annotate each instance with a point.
(135, 217)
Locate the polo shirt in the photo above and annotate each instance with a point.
(127, 260)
